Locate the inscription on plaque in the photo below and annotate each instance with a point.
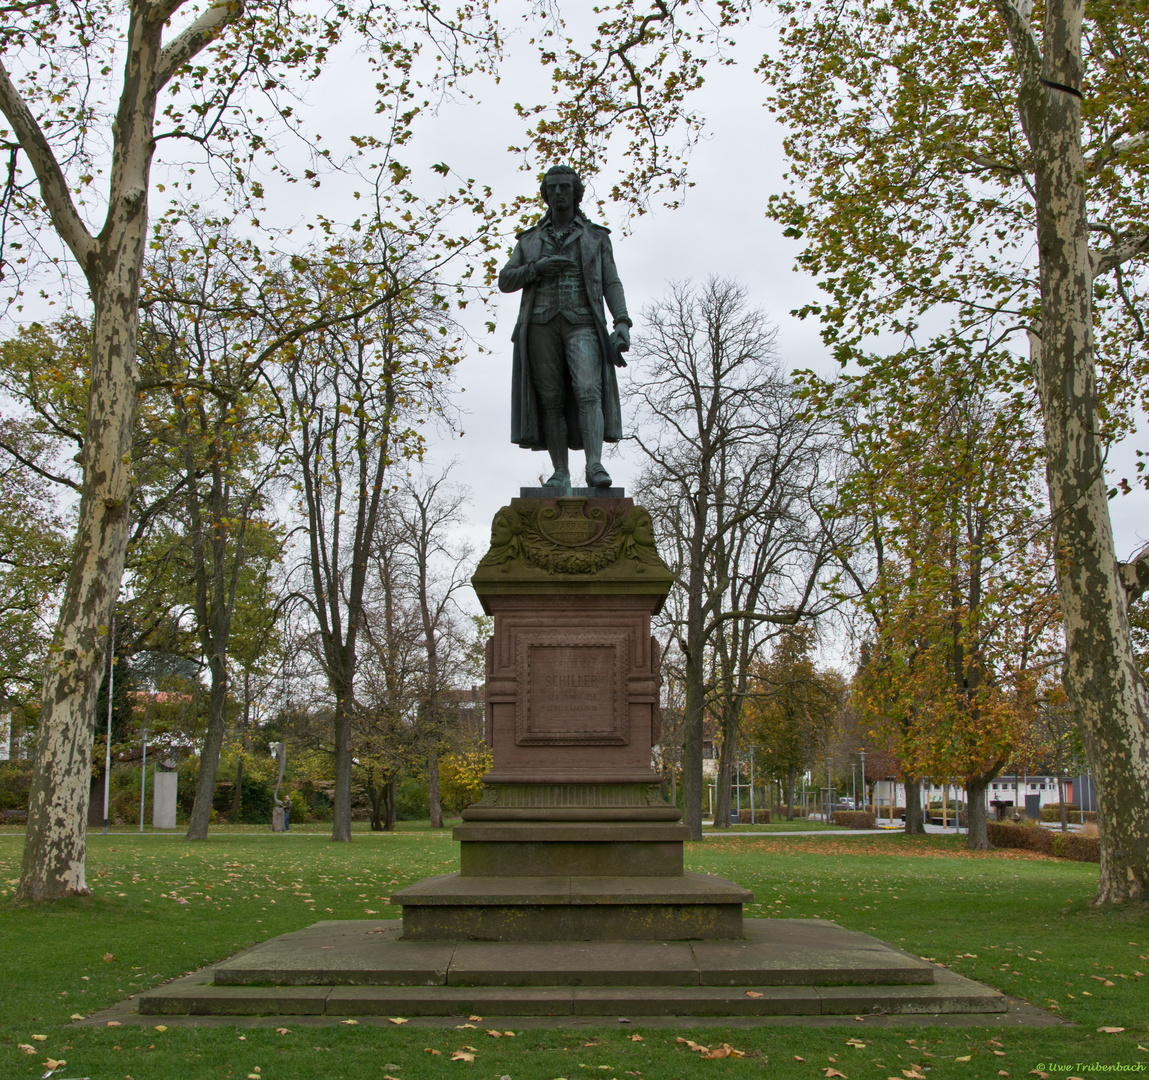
(572, 688)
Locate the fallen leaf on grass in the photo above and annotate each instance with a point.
(753, 994)
(109, 957)
(635, 1038)
(436, 1053)
(693, 1046)
(397, 1019)
(386, 1076)
(460, 1027)
(495, 1034)
(460, 1055)
(76, 1016)
(44, 1038)
(857, 1044)
(1103, 1030)
(966, 1058)
(1002, 1072)
(26, 1047)
(52, 1064)
(509, 1034)
(725, 1051)
(112, 1023)
(913, 1073)
(160, 1027)
(797, 1058)
(349, 1021)
(283, 1031)
(834, 1072)
(476, 1019)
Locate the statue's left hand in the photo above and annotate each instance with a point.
(620, 339)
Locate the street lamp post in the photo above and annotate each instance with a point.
(862, 755)
(854, 785)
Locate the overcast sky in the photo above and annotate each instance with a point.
(721, 230)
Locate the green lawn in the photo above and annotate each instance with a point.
(161, 907)
(783, 826)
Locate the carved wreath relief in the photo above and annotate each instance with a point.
(571, 538)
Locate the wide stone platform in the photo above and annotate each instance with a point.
(781, 967)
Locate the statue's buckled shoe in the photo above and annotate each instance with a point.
(597, 476)
(559, 483)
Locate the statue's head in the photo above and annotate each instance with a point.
(561, 175)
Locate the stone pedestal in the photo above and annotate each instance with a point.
(572, 839)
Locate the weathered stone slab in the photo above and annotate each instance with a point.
(804, 952)
(696, 1001)
(450, 1000)
(573, 964)
(954, 994)
(335, 956)
(644, 858)
(584, 978)
(204, 999)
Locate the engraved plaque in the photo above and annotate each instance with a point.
(571, 524)
(572, 688)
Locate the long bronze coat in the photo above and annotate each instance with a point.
(600, 279)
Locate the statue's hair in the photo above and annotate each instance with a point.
(556, 170)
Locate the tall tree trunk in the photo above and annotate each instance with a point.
(200, 817)
(692, 738)
(389, 804)
(914, 823)
(55, 842)
(1061, 804)
(375, 796)
(791, 779)
(56, 839)
(977, 836)
(1101, 676)
(341, 811)
(723, 796)
(436, 803)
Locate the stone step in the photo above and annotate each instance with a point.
(776, 952)
(557, 908)
(195, 996)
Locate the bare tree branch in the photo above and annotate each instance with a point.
(53, 185)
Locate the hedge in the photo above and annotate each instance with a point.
(1053, 813)
(761, 817)
(1034, 838)
(853, 819)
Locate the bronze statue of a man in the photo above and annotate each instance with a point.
(564, 390)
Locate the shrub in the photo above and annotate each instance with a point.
(1077, 846)
(15, 782)
(761, 817)
(853, 819)
(255, 805)
(1033, 838)
(1052, 812)
(799, 811)
(412, 800)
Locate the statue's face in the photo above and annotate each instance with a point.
(561, 191)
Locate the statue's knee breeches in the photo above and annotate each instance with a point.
(560, 352)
